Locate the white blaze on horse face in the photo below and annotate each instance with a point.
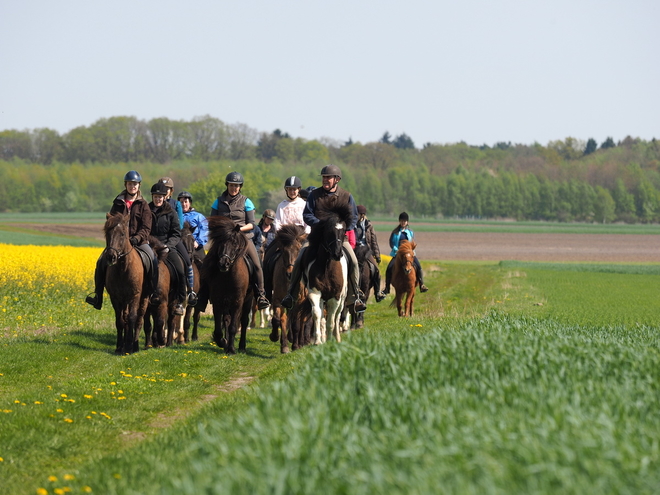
(339, 226)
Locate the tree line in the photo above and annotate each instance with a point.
(566, 180)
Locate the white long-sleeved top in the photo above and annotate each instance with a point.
(290, 212)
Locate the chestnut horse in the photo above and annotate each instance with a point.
(327, 271)
(404, 277)
(288, 241)
(225, 273)
(125, 282)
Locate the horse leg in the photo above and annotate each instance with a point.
(409, 301)
(333, 323)
(147, 329)
(218, 328)
(317, 315)
(119, 324)
(134, 324)
(196, 317)
(186, 324)
(399, 297)
(284, 342)
(276, 324)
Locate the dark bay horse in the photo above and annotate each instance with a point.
(125, 282)
(404, 278)
(288, 241)
(194, 312)
(327, 271)
(225, 273)
(368, 281)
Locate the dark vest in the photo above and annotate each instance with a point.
(233, 208)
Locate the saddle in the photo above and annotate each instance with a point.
(146, 260)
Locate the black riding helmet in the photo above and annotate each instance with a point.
(159, 188)
(293, 181)
(234, 178)
(331, 170)
(185, 195)
(132, 176)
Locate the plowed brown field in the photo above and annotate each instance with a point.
(490, 246)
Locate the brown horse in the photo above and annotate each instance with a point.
(368, 280)
(225, 273)
(194, 312)
(164, 319)
(125, 282)
(288, 241)
(404, 277)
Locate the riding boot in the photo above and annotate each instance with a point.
(262, 300)
(96, 299)
(420, 275)
(388, 277)
(375, 282)
(190, 278)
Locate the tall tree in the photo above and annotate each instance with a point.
(386, 138)
(608, 143)
(403, 141)
(592, 145)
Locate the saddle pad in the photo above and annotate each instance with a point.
(146, 260)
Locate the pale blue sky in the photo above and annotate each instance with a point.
(440, 71)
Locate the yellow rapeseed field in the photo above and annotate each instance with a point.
(44, 286)
(37, 267)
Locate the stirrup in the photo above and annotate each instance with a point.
(359, 306)
(93, 299)
(192, 298)
(287, 301)
(262, 302)
(423, 288)
(379, 296)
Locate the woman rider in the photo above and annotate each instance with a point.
(165, 228)
(197, 221)
(181, 248)
(240, 209)
(402, 232)
(139, 226)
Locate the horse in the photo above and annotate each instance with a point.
(327, 270)
(225, 272)
(164, 319)
(288, 240)
(404, 278)
(125, 282)
(194, 312)
(265, 315)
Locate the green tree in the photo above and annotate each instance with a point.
(403, 142)
(608, 143)
(386, 138)
(592, 145)
(604, 206)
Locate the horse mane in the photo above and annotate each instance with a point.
(113, 220)
(407, 247)
(222, 230)
(288, 234)
(342, 213)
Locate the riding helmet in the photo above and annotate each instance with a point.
(132, 176)
(159, 188)
(185, 195)
(167, 181)
(293, 181)
(403, 216)
(331, 170)
(234, 178)
(269, 214)
(362, 210)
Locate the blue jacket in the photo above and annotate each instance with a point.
(197, 220)
(398, 235)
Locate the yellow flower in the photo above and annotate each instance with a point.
(69, 477)
(87, 489)
(88, 396)
(52, 479)
(68, 420)
(42, 491)
(59, 410)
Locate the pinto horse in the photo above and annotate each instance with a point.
(125, 282)
(225, 273)
(327, 271)
(404, 278)
(288, 241)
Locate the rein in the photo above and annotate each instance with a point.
(120, 254)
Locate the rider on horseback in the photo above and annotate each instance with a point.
(197, 222)
(240, 209)
(165, 228)
(331, 175)
(365, 236)
(402, 233)
(128, 201)
(180, 247)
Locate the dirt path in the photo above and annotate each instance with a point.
(488, 246)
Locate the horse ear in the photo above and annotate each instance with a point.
(107, 215)
(237, 228)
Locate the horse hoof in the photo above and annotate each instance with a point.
(274, 336)
(285, 350)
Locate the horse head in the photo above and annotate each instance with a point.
(187, 239)
(117, 239)
(229, 243)
(406, 255)
(330, 231)
(290, 239)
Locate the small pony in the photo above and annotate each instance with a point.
(404, 277)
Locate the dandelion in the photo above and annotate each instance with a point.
(52, 479)
(88, 396)
(69, 477)
(117, 476)
(68, 420)
(63, 395)
(38, 402)
(42, 491)
(87, 489)
(59, 410)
